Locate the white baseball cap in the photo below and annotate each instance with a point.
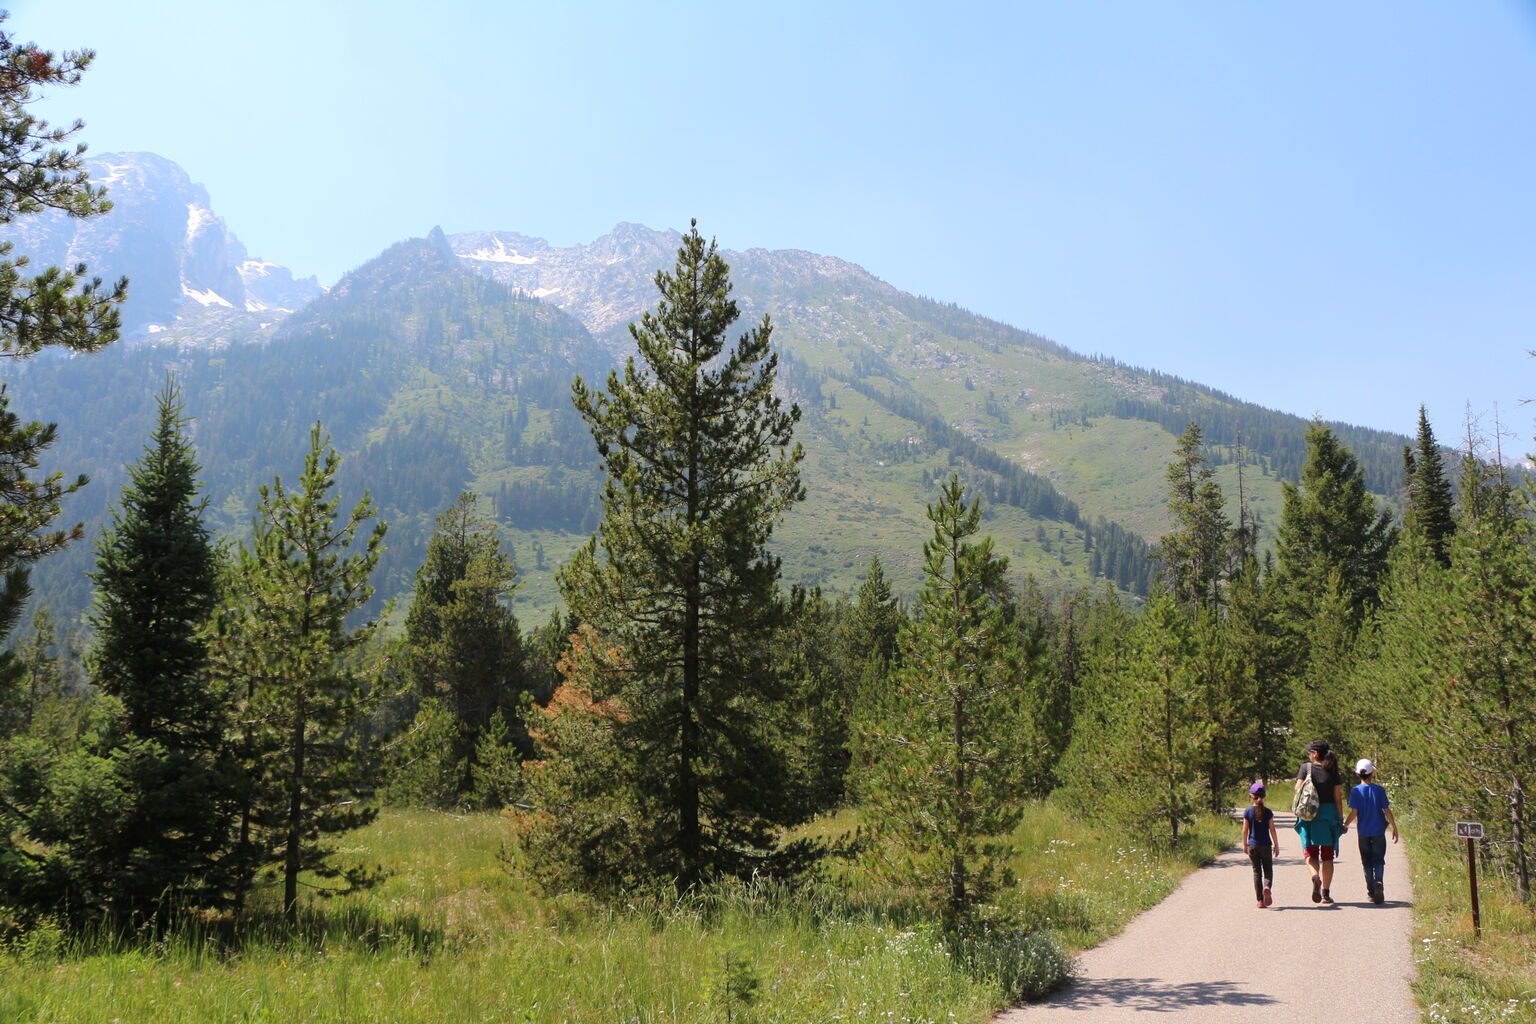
(1365, 767)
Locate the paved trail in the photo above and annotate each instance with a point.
(1206, 953)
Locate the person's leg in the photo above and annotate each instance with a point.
(1268, 864)
(1325, 854)
(1314, 864)
(1365, 864)
(1377, 864)
(1258, 873)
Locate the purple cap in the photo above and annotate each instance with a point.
(1257, 789)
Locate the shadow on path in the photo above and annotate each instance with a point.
(1156, 996)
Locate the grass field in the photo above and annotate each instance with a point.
(1464, 979)
(452, 936)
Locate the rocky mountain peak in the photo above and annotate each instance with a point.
(181, 259)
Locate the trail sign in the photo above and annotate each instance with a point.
(1472, 831)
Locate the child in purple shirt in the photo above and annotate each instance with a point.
(1261, 842)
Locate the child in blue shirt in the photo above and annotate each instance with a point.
(1261, 842)
(1369, 801)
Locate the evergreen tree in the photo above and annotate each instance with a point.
(1255, 643)
(462, 643)
(156, 582)
(136, 823)
(700, 463)
(1197, 558)
(821, 675)
(1330, 526)
(1481, 694)
(953, 738)
(875, 620)
(1135, 760)
(1430, 507)
(54, 308)
(1195, 555)
(282, 643)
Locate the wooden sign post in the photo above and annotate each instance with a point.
(1472, 831)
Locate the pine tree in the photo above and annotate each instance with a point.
(1430, 507)
(1255, 643)
(137, 821)
(282, 643)
(462, 644)
(1140, 725)
(36, 675)
(156, 582)
(875, 620)
(953, 737)
(1330, 525)
(1195, 555)
(700, 462)
(54, 308)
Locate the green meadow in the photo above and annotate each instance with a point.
(456, 934)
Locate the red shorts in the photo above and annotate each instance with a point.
(1323, 853)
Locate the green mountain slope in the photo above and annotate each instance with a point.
(433, 377)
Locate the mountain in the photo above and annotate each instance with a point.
(187, 271)
(445, 364)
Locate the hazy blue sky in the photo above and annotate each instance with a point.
(1324, 207)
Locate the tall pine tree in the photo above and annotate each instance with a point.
(137, 822)
(283, 645)
(700, 462)
(951, 740)
(57, 307)
(1429, 510)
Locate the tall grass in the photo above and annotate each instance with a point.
(1463, 979)
(452, 936)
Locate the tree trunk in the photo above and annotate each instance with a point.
(291, 860)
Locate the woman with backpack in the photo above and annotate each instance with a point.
(1320, 815)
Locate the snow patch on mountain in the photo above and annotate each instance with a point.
(499, 253)
(205, 298)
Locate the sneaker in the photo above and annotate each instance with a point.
(1377, 895)
(1259, 904)
(1268, 899)
(1317, 890)
(1326, 897)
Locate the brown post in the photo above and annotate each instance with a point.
(1477, 921)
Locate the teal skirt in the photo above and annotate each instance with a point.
(1324, 830)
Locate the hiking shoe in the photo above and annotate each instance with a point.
(1326, 897)
(1317, 890)
(1268, 899)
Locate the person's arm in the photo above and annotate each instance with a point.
(1274, 838)
(1246, 824)
(1391, 820)
(1352, 810)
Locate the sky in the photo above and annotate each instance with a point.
(1326, 208)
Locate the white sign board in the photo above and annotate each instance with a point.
(1469, 830)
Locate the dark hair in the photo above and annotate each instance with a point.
(1330, 761)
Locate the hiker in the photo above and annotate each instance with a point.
(1320, 837)
(1261, 842)
(1369, 801)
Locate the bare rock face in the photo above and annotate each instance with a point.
(161, 233)
(611, 281)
